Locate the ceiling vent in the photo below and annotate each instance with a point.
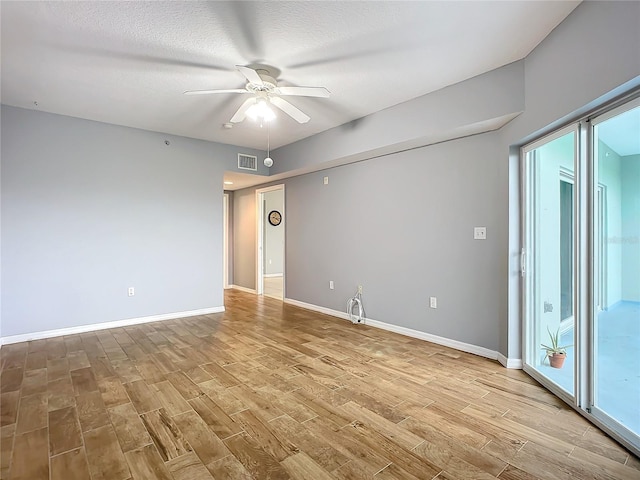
(247, 162)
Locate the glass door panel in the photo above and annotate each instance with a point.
(616, 266)
(550, 204)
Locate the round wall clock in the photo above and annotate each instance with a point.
(275, 217)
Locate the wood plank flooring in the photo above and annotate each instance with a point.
(272, 391)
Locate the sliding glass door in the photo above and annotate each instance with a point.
(550, 225)
(616, 313)
(581, 266)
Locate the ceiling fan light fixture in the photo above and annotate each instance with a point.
(261, 110)
(262, 84)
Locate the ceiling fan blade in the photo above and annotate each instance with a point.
(207, 92)
(250, 74)
(290, 110)
(305, 91)
(242, 111)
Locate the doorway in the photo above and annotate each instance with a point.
(271, 242)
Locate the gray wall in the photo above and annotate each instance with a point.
(449, 113)
(401, 225)
(592, 52)
(244, 238)
(90, 209)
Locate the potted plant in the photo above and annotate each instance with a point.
(555, 352)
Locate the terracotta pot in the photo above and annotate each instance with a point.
(556, 360)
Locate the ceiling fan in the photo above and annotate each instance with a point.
(264, 90)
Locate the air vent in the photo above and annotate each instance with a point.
(247, 162)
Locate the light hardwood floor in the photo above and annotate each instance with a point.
(272, 391)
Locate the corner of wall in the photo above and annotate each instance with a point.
(511, 363)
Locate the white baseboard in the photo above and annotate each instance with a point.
(244, 289)
(275, 297)
(316, 308)
(447, 342)
(27, 337)
(515, 363)
(272, 275)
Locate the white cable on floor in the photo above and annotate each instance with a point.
(356, 303)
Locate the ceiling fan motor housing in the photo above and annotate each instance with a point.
(268, 86)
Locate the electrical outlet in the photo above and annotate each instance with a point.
(360, 289)
(131, 291)
(433, 302)
(480, 233)
(330, 284)
(325, 180)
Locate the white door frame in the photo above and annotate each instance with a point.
(531, 264)
(260, 216)
(225, 240)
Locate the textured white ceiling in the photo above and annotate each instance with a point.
(128, 63)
